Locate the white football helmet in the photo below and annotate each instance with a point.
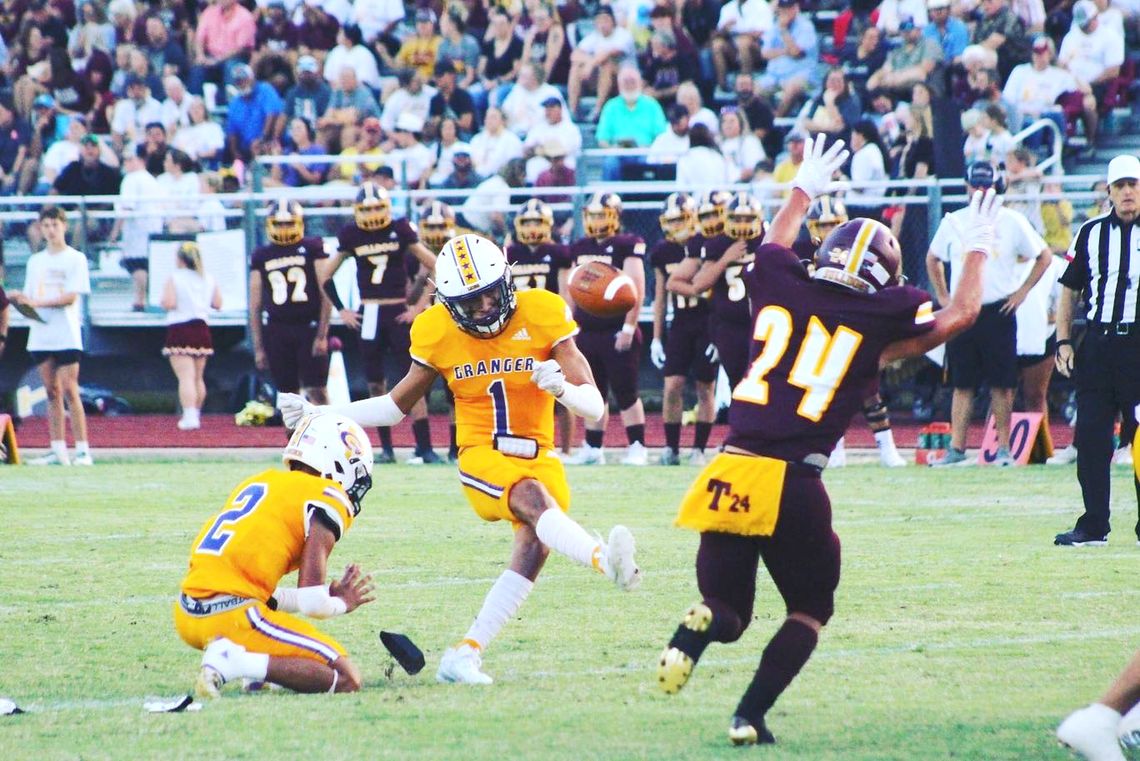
(338, 449)
(473, 280)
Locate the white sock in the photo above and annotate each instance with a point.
(840, 446)
(560, 533)
(246, 664)
(502, 601)
(885, 439)
(59, 449)
(81, 448)
(191, 414)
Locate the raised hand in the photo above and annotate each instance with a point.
(355, 588)
(293, 407)
(818, 167)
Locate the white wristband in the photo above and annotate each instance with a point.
(628, 329)
(286, 598)
(378, 410)
(585, 400)
(316, 602)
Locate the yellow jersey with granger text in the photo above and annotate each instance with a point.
(490, 377)
(257, 538)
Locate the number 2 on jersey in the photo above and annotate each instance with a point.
(244, 503)
(820, 366)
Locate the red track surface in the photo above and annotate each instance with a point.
(145, 431)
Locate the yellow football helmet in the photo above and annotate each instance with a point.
(826, 214)
(285, 223)
(534, 223)
(679, 217)
(437, 225)
(711, 212)
(744, 218)
(602, 215)
(373, 207)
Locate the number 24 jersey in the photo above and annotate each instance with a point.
(815, 347)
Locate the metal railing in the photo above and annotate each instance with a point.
(1054, 158)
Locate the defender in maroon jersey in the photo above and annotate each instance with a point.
(536, 259)
(719, 272)
(288, 315)
(612, 346)
(687, 349)
(818, 339)
(388, 256)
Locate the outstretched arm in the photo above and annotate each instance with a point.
(812, 180)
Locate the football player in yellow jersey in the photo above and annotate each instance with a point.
(274, 523)
(506, 357)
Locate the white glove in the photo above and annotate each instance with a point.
(814, 176)
(657, 353)
(981, 222)
(548, 376)
(293, 407)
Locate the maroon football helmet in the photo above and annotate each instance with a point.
(861, 254)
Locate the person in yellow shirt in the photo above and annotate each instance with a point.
(506, 356)
(274, 523)
(419, 50)
(786, 170)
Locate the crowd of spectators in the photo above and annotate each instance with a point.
(450, 93)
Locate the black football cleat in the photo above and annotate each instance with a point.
(1080, 538)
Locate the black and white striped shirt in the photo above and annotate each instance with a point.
(1104, 265)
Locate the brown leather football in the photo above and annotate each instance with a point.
(602, 290)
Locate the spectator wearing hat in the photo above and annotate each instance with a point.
(523, 105)
(631, 120)
(558, 174)
(350, 52)
(1093, 53)
(739, 29)
(255, 121)
(420, 49)
(58, 155)
(671, 144)
(499, 61)
(555, 125)
(1001, 31)
(203, 140)
(133, 113)
(410, 159)
(350, 103)
(494, 145)
(458, 47)
(366, 142)
(451, 101)
(949, 31)
(224, 38)
(594, 62)
(309, 97)
(791, 49)
(412, 96)
(90, 176)
(15, 137)
(986, 353)
(785, 170)
(1036, 88)
(916, 60)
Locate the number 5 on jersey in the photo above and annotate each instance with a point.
(820, 366)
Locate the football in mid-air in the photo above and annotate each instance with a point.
(602, 290)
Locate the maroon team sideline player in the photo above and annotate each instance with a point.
(818, 340)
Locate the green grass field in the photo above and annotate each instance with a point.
(960, 631)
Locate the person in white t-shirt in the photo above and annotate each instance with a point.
(55, 282)
(553, 127)
(1034, 88)
(673, 143)
(1037, 341)
(495, 145)
(137, 217)
(595, 61)
(739, 29)
(1093, 52)
(986, 353)
(188, 296)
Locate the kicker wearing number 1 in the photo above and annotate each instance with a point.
(506, 356)
(818, 340)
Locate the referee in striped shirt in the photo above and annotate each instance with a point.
(1104, 267)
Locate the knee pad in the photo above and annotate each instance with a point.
(877, 416)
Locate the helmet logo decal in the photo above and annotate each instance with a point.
(465, 263)
(352, 447)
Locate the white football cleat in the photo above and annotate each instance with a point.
(1091, 732)
(696, 457)
(587, 455)
(617, 559)
(462, 665)
(890, 457)
(1066, 456)
(83, 459)
(216, 667)
(51, 458)
(838, 456)
(1123, 456)
(636, 454)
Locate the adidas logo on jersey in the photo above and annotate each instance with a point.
(521, 335)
